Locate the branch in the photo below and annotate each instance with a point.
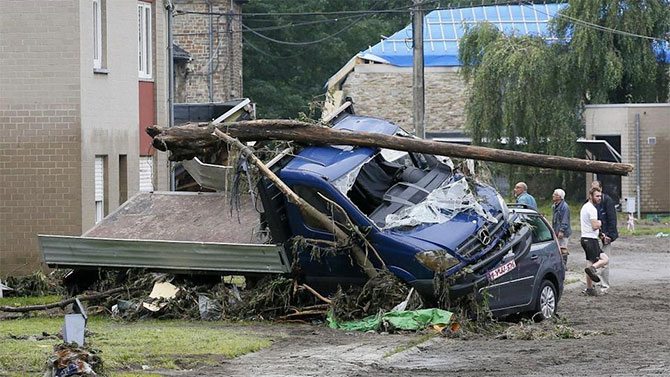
(315, 293)
(60, 304)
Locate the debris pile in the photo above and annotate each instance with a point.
(73, 360)
(548, 329)
(36, 284)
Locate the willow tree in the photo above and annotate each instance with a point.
(521, 93)
(615, 49)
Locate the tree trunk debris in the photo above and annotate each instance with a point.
(194, 139)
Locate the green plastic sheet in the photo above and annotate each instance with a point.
(402, 320)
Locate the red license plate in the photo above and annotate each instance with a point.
(502, 270)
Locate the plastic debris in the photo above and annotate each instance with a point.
(210, 310)
(396, 320)
(440, 206)
(662, 235)
(403, 305)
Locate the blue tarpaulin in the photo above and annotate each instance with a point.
(442, 30)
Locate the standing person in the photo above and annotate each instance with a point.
(609, 233)
(590, 225)
(561, 222)
(522, 195)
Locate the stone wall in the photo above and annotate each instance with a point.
(39, 128)
(385, 91)
(191, 32)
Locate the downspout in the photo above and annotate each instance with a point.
(211, 53)
(170, 9)
(637, 164)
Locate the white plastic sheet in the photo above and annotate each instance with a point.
(440, 206)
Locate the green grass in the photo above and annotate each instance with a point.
(158, 344)
(32, 300)
(412, 343)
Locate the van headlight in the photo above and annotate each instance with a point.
(437, 260)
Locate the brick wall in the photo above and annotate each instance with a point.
(191, 32)
(385, 91)
(39, 128)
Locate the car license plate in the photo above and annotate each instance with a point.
(502, 270)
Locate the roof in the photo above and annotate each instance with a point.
(179, 53)
(334, 161)
(444, 28)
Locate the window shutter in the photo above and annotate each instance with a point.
(99, 179)
(146, 174)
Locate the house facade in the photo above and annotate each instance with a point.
(80, 80)
(209, 32)
(633, 130)
(378, 80)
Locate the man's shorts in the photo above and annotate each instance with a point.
(591, 247)
(563, 243)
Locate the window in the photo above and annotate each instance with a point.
(97, 34)
(541, 232)
(99, 188)
(144, 42)
(123, 178)
(311, 196)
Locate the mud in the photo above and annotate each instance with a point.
(633, 321)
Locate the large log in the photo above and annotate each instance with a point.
(190, 140)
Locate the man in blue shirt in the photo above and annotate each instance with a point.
(522, 195)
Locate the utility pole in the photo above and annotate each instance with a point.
(417, 70)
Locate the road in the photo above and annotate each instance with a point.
(632, 321)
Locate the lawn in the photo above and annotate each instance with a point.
(126, 347)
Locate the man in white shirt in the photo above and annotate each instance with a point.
(590, 225)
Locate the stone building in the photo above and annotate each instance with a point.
(210, 32)
(378, 80)
(76, 91)
(616, 125)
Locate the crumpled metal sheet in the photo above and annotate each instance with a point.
(440, 206)
(346, 182)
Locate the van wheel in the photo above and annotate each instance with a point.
(545, 301)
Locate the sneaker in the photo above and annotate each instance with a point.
(593, 274)
(590, 292)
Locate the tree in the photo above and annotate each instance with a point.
(616, 67)
(283, 79)
(521, 96)
(528, 94)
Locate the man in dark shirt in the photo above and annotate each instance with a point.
(606, 214)
(561, 222)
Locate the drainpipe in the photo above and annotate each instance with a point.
(170, 9)
(637, 164)
(211, 53)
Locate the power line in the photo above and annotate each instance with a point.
(596, 26)
(262, 52)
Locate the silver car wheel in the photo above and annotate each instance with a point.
(547, 302)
